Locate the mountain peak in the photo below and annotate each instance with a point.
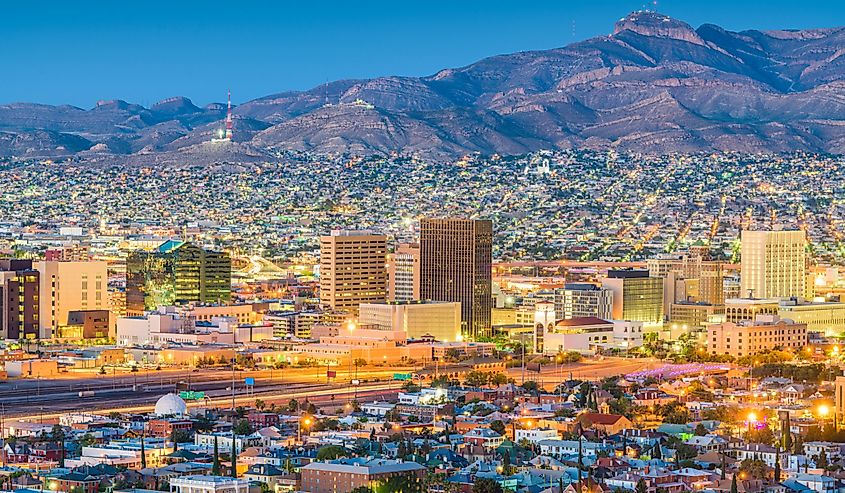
(175, 105)
(653, 24)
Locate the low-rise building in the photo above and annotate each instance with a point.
(208, 484)
(348, 474)
(764, 333)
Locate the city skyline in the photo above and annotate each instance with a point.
(614, 265)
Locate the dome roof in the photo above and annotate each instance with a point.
(170, 405)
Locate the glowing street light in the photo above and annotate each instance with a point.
(823, 410)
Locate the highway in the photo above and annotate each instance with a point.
(48, 398)
(110, 392)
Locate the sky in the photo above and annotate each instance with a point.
(142, 51)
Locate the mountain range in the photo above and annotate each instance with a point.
(655, 85)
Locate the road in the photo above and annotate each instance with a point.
(47, 396)
(551, 375)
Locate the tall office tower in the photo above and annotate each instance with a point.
(773, 264)
(67, 287)
(636, 296)
(578, 300)
(403, 273)
(19, 287)
(352, 270)
(694, 268)
(176, 273)
(456, 261)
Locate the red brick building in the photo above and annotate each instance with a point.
(346, 475)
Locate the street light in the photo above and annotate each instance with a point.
(823, 410)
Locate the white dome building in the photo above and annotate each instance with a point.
(171, 405)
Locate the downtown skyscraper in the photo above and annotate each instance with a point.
(773, 264)
(456, 257)
(352, 270)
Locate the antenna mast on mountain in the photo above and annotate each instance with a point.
(229, 126)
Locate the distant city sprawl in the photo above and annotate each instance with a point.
(578, 205)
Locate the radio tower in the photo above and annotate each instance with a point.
(229, 118)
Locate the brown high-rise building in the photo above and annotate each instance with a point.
(456, 257)
(19, 286)
(352, 270)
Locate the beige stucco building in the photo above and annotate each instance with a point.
(750, 337)
(352, 270)
(69, 286)
(442, 320)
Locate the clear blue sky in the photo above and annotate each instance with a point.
(78, 52)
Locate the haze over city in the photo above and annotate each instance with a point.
(562, 247)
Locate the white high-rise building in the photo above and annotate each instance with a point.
(404, 273)
(774, 264)
(578, 300)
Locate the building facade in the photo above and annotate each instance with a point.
(825, 317)
(19, 300)
(346, 475)
(404, 273)
(439, 319)
(578, 300)
(456, 257)
(352, 270)
(773, 264)
(69, 286)
(636, 296)
(176, 273)
(766, 332)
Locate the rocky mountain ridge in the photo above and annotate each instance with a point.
(655, 85)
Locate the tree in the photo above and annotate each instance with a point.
(293, 405)
(486, 485)
(180, 436)
(143, 453)
(404, 483)
(58, 435)
(530, 386)
(331, 452)
(498, 426)
(452, 355)
(761, 435)
(676, 413)
(234, 456)
(754, 468)
(641, 486)
(215, 465)
(506, 464)
(685, 452)
(700, 430)
(359, 362)
(621, 406)
(260, 404)
(734, 488)
(821, 460)
(243, 427)
(411, 387)
(777, 465)
(476, 379)
(798, 445)
(498, 379)
(362, 489)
